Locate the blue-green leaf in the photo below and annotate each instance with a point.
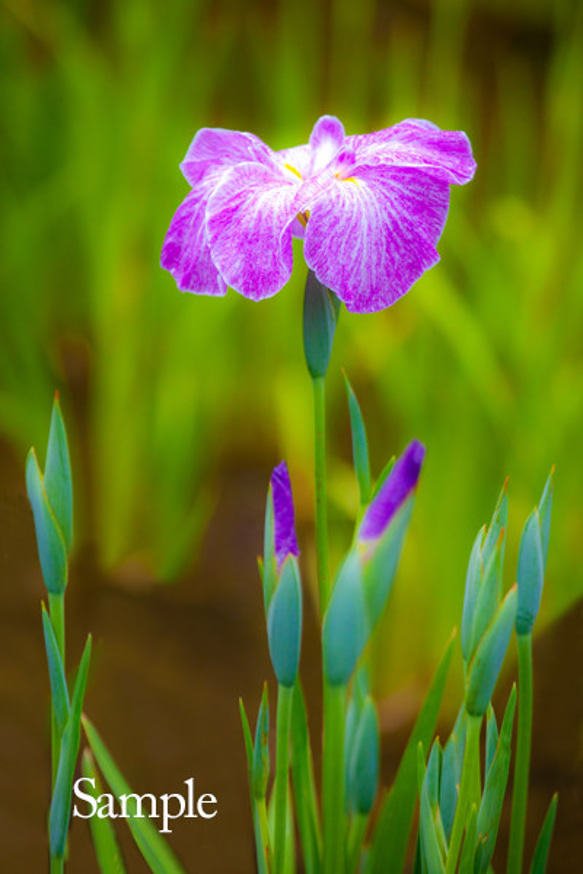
(365, 760)
(473, 582)
(359, 445)
(261, 749)
(57, 479)
(346, 629)
(52, 551)
(61, 800)
(544, 512)
(284, 623)
(321, 311)
(59, 691)
(485, 666)
(529, 574)
(379, 570)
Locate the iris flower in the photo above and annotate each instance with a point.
(370, 209)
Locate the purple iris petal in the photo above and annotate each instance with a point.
(283, 512)
(214, 148)
(393, 493)
(248, 221)
(418, 143)
(371, 209)
(373, 234)
(186, 253)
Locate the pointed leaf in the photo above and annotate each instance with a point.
(261, 749)
(491, 737)
(359, 445)
(148, 840)
(57, 479)
(529, 574)
(544, 512)
(541, 853)
(473, 582)
(246, 737)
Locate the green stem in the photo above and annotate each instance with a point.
(355, 841)
(284, 702)
(57, 865)
(333, 779)
(467, 791)
(321, 508)
(523, 745)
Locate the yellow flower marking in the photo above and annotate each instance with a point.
(293, 170)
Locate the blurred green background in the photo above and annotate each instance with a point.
(165, 392)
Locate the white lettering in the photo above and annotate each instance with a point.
(166, 815)
(206, 799)
(84, 797)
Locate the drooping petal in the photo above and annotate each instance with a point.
(372, 234)
(216, 148)
(418, 143)
(283, 511)
(248, 221)
(185, 252)
(393, 493)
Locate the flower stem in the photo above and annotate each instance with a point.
(523, 745)
(333, 778)
(321, 508)
(469, 787)
(284, 701)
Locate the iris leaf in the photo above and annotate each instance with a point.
(151, 845)
(105, 842)
(394, 824)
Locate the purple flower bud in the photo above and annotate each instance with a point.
(283, 511)
(393, 493)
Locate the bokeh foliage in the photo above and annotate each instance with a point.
(482, 360)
